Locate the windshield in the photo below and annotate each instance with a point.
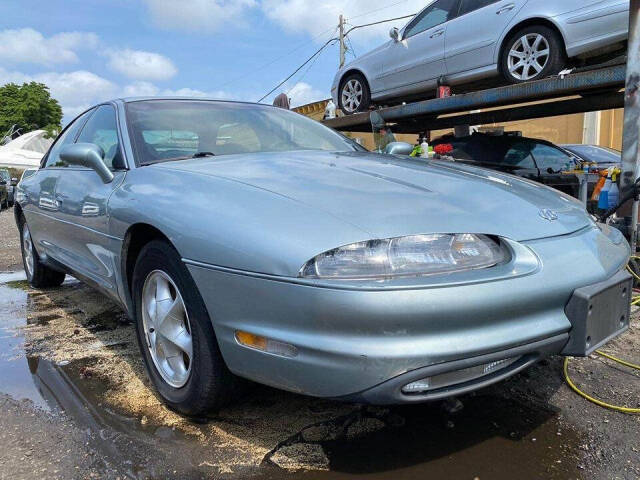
(175, 129)
(592, 153)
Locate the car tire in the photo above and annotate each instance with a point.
(191, 381)
(354, 95)
(38, 274)
(522, 63)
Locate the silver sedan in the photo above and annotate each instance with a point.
(462, 41)
(246, 240)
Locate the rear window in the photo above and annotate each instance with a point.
(596, 154)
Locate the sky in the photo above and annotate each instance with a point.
(88, 51)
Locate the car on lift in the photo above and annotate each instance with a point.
(530, 158)
(247, 240)
(462, 41)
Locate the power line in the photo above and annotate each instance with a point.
(328, 42)
(378, 9)
(278, 58)
(377, 23)
(332, 40)
(304, 74)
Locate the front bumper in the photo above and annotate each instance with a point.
(366, 343)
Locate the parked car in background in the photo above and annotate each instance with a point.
(6, 189)
(246, 239)
(467, 40)
(603, 157)
(534, 159)
(11, 185)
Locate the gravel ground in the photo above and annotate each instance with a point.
(10, 258)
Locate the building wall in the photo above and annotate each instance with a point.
(561, 129)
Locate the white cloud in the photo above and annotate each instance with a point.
(299, 17)
(78, 90)
(147, 89)
(75, 90)
(141, 65)
(27, 45)
(202, 15)
(302, 93)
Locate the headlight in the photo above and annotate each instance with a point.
(406, 256)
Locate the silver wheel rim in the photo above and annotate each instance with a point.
(528, 56)
(27, 250)
(352, 95)
(167, 328)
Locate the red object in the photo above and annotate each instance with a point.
(444, 91)
(443, 148)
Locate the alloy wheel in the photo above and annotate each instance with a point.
(352, 95)
(27, 250)
(528, 56)
(167, 328)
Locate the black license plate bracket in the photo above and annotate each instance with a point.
(598, 313)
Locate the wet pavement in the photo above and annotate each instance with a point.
(69, 355)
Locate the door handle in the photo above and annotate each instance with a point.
(506, 8)
(436, 33)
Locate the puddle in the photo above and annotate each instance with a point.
(73, 353)
(6, 277)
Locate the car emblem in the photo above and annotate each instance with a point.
(548, 214)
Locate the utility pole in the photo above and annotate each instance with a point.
(343, 48)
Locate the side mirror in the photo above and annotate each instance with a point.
(87, 155)
(14, 181)
(398, 148)
(550, 171)
(394, 33)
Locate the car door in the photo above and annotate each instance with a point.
(37, 193)
(418, 57)
(551, 162)
(82, 197)
(471, 38)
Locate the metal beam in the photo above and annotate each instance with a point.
(564, 107)
(412, 114)
(631, 135)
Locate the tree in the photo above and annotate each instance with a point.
(29, 107)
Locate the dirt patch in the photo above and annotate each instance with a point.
(10, 258)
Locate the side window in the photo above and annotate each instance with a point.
(471, 5)
(549, 157)
(440, 12)
(101, 129)
(68, 136)
(519, 155)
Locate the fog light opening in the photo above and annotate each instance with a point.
(456, 377)
(264, 344)
(417, 387)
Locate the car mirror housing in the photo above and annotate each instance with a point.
(87, 155)
(394, 33)
(14, 181)
(398, 148)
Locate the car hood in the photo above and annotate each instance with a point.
(388, 196)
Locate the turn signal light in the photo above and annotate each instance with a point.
(264, 344)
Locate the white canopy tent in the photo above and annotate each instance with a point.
(26, 151)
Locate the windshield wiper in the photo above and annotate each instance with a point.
(186, 157)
